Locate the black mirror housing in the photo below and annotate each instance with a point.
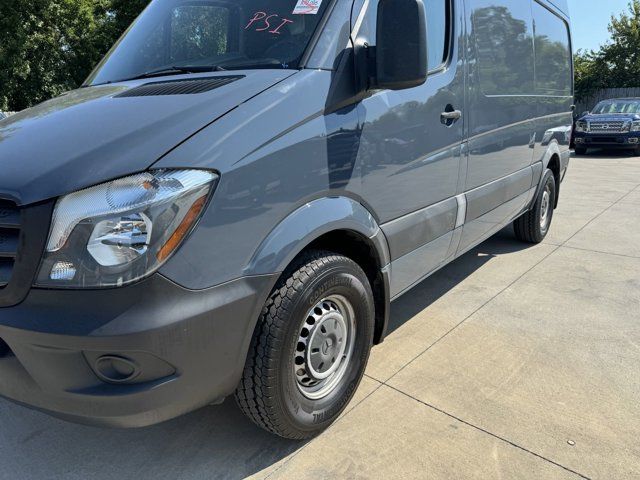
(401, 45)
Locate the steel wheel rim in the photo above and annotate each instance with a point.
(545, 208)
(325, 346)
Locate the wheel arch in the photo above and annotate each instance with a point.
(338, 224)
(554, 166)
(552, 160)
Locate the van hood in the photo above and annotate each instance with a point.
(95, 134)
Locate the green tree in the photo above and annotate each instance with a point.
(622, 55)
(50, 46)
(589, 72)
(617, 63)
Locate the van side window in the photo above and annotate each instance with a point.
(438, 28)
(553, 52)
(503, 32)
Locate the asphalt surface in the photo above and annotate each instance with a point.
(515, 361)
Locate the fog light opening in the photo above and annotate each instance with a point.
(114, 369)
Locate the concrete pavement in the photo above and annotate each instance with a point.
(515, 361)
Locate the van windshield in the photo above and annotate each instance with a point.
(188, 36)
(618, 106)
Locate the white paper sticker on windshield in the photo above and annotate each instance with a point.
(307, 7)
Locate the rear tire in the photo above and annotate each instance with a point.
(580, 151)
(310, 347)
(636, 152)
(534, 225)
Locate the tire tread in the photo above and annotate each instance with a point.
(254, 395)
(526, 227)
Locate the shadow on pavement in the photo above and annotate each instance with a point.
(211, 443)
(438, 284)
(214, 442)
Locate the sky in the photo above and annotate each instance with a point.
(590, 19)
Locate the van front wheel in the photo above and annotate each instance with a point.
(534, 225)
(310, 347)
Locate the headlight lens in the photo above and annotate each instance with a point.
(118, 232)
(635, 126)
(581, 127)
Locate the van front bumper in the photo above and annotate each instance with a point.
(131, 356)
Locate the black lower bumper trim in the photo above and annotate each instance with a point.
(189, 349)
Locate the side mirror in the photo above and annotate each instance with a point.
(401, 45)
(585, 113)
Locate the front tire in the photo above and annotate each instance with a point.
(310, 347)
(533, 226)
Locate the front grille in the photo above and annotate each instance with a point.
(23, 235)
(607, 127)
(10, 225)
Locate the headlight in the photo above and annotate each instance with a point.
(124, 230)
(582, 127)
(635, 126)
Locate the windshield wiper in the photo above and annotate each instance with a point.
(185, 69)
(176, 70)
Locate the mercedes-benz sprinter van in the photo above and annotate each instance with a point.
(231, 201)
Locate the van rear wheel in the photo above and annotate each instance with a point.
(310, 347)
(534, 225)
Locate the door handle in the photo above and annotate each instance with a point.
(453, 115)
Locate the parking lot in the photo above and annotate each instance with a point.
(515, 361)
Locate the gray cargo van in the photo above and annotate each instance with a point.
(239, 190)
